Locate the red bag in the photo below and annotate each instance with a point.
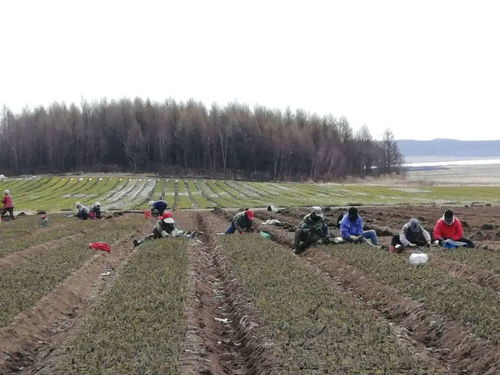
(100, 246)
(147, 214)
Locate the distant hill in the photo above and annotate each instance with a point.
(449, 148)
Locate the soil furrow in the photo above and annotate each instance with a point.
(37, 328)
(223, 330)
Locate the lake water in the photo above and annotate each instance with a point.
(441, 163)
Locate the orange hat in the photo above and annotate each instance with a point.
(250, 214)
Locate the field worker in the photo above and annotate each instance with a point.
(83, 212)
(242, 222)
(8, 205)
(449, 227)
(95, 210)
(165, 227)
(351, 229)
(312, 229)
(158, 207)
(412, 235)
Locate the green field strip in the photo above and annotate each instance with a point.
(176, 194)
(241, 199)
(138, 326)
(170, 192)
(13, 184)
(41, 195)
(29, 189)
(106, 187)
(188, 188)
(221, 200)
(54, 202)
(183, 200)
(25, 187)
(155, 194)
(36, 194)
(118, 201)
(24, 285)
(205, 193)
(250, 194)
(122, 192)
(82, 192)
(314, 328)
(196, 195)
(120, 185)
(443, 294)
(143, 194)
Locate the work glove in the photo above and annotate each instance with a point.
(412, 245)
(164, 233)
(354, 238)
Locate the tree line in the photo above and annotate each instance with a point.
(187, 138)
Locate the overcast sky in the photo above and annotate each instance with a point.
(425, 69)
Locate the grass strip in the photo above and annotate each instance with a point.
(22, 286)
(316, 329)
(442, 293)
(138, 326)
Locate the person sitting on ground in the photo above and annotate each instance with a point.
(165, 227)
(95, 210)
(158, 207)
(449, 228)
(312, 229)
(412, 235)
(351, 229)
(83, 211)
(8, 205)
(242, 222)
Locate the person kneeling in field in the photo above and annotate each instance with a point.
(448, 229)
(165, 227)
(95, 210)
(312, 229)
(83, 211)
(351, 229)
(242, 222)
(412, 235)
(158, 207)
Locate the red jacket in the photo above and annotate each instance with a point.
(7, 201)
(445, 231)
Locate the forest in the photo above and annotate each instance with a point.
(187, 138)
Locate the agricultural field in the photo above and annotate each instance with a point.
(60, 193)
(243, 304)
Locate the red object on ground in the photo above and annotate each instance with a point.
(250, 214)
(92, 215)
(100, 246)
(147, 214)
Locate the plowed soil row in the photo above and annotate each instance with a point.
(451, 343)
(33, 331)
(223, 336)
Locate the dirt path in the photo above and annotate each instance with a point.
(222, 335)
(33, 331)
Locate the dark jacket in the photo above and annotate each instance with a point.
(348, 227)
(241, 222)
(316, 225)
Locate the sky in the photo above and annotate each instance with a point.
(424, 69)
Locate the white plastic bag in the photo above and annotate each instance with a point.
(417, 259)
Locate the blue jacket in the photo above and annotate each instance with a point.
(348, 227)
(160, 205)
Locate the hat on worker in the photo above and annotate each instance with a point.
(317, 210)
(168, 220)
(414, 225)
(6, 192)
(250, 214)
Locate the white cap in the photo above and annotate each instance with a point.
(6, 192)
(97, 204)
(317, 210)
(78, 204)
(168, 220)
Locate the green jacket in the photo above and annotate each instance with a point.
(317, 226)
